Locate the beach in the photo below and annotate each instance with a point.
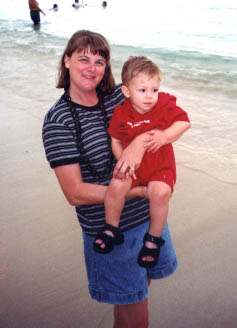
(42, 273)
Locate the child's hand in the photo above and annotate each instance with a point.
(156, 139)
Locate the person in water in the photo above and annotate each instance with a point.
(76, 4)
(55, 7)
(35, 11)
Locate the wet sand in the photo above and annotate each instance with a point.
(43, 281)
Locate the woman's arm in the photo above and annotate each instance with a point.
(75, 190)
(130, 158)
(117, 148)
(78, 192)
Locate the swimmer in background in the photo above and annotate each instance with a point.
(55, 7)
(104, 4)
(35, 11)
(76, 4)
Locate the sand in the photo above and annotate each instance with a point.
(43, 281)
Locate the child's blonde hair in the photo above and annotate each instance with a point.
(139, 64)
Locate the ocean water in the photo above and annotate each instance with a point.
(194, 43)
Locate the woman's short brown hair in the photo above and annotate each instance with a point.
(84, 40)
(136, 65)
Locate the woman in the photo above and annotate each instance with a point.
(77, 147)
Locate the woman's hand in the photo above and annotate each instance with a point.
(130, 159)
(139, 191)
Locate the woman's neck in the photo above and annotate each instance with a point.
(89, 98)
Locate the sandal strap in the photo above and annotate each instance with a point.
(151, 252)
(154, 252)
(159, 241)
(107, 239)
(116, 231)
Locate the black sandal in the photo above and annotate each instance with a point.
(108, 240)
(153, 252)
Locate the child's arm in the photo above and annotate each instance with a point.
(158, 138)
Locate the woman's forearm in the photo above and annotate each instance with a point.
(75, 190)
(139, 191)
(88, 194)
(131, 157)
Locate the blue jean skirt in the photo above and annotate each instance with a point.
(116, 278)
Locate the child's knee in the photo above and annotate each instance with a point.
(159, 191)
(118, 187)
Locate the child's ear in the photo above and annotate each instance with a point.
(125, 91)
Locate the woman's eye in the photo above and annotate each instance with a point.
(100, 63)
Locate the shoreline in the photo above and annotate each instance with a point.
(206, 146)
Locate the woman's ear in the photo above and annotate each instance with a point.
(66, 61)
(125, 91)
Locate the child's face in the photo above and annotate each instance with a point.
(143, 92)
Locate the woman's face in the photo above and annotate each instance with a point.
(86, 70)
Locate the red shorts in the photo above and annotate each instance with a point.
(158, 166)
(165, 175)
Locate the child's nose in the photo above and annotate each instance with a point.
(149, 94)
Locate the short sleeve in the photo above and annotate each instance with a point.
(170, 111)
(59, 144)
(115, 124)
(175, 114)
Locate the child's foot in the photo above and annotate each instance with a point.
(150, 252)
(105, 241)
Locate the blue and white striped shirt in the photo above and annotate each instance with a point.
(59, 139)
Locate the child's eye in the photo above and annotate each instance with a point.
(142, 90)
(155, 90)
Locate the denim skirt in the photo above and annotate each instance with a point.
(116, 278)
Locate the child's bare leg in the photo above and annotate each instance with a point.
(159, 196)
(114, 202)
(115, 199)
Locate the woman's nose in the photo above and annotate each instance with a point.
(92, 67)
